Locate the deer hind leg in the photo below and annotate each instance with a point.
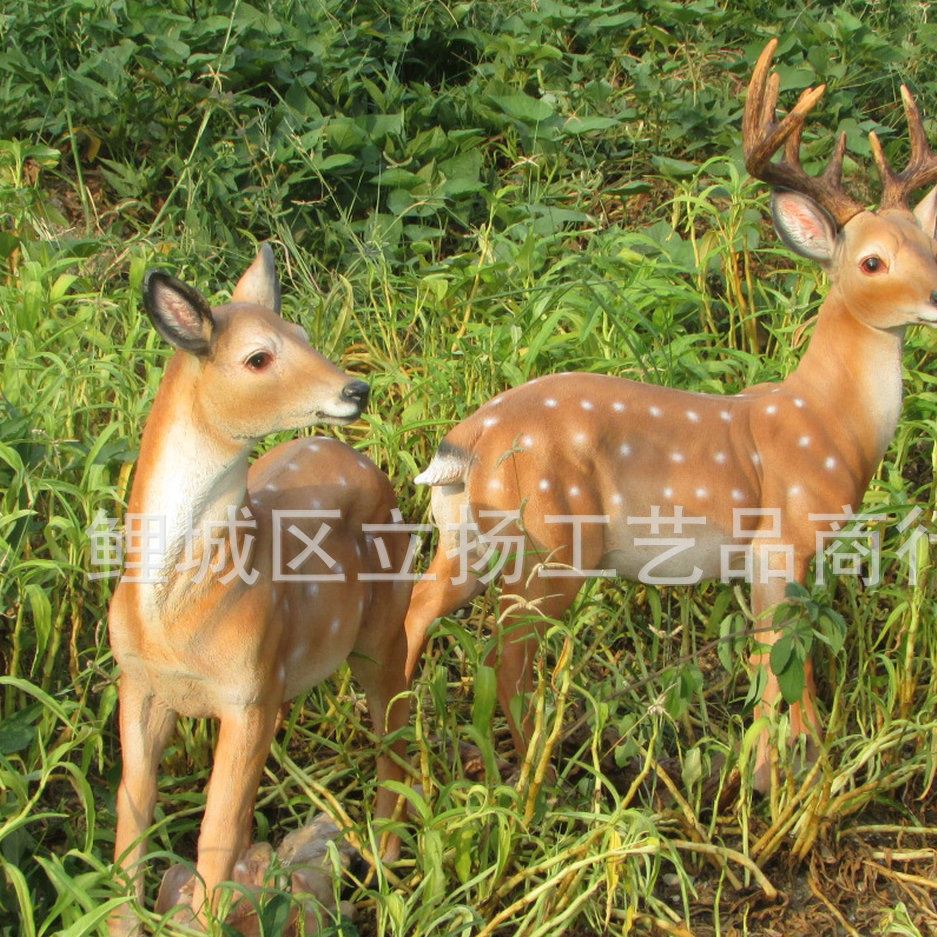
(145, 727)
(379, 663)
(449, 583)
(766, 596)
(521, 624)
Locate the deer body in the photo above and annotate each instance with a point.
(201, 636)
(760, 468)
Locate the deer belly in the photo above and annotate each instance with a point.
(668, 555)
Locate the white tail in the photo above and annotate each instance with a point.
(689, 485)
(218, 619)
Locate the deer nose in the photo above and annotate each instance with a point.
(356, 392)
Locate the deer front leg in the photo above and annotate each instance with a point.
(145, 727)
(243, 745)
(381, 672)
(766, 596)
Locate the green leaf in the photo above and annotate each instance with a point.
(334, 161)
(17, 730)
(577, 125)
(677, 168)
(397, 178)
(791, 681)
(781, 653)
(485, 697)
(523, 107)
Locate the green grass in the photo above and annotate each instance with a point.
(462, 197)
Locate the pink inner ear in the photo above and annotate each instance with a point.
(804, 223)
(175, 308)
(798, 215)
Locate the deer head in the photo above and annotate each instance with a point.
(254, 373)
(881, 264)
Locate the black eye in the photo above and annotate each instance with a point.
(872, 264)
(259, 360)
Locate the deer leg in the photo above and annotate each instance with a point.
(767, 594)
(145, 727)
(379, 663)
(520, 629)
(243, 745)
(443, 589)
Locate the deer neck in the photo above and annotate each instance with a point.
(854, 373)
(190, 481)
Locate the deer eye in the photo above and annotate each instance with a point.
(873, 264)
(259, 360)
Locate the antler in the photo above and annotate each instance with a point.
(762, 136)
(922, 166)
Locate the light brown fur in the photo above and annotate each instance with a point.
(233, 651)
(584, 444)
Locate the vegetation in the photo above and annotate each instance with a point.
(462, 197)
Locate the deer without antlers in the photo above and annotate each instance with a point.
(232, 626)
(756, 471)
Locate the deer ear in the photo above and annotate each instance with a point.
(259, 284)
(803, 225)
(178, 311)
(926, 213)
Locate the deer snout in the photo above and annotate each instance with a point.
(356, 392)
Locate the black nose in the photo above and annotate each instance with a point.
(357, 392)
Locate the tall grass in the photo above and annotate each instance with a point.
(462, 197)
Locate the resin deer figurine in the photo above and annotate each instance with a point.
(662, 485)
(246, 584)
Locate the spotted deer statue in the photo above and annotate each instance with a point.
(588, 465)
(246, 583)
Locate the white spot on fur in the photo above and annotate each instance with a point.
(720, 458)
(737, 494)
(550, 402)
(544, 484)
(494, 484)
(617, 498)
(528, 441)
(625, 449)
(692, 416)
(803, 442)
(830, 462)
(586, 405)
(794, 490)
(725, 416)
(580, 439)
(314, 446)
(654, 411)
(771, 409)
(798, 402)
(490, 421)
(292, 466)
(618, 406)
(668, 492)
(574, 491)
(701, 493)
(756, 459)
(676, 457)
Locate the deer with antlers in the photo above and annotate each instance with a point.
(246, 584)
(574, 471)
